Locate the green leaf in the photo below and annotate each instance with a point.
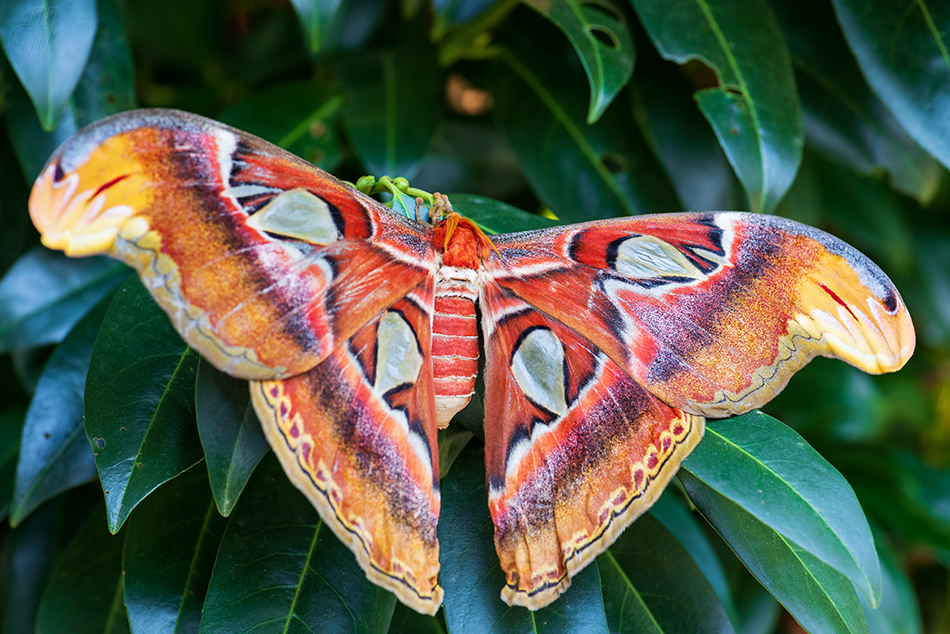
(494, 216)
(83, 585)
(765, 468)
(819, 597)
(754, 110)
(886, 479)
(107, 85)
(683, 141)
(140, 406)
(599, 34)
(393, 107)
(319, 20)
(48, 44)
(279, 568)
(844, 120)
(408, 621)
(902, 50)
(652, 584)
(305, 123)
(11, 425)
(56, 453)
(230, 433)
(898, 612)
(170, 546)
(44, 294)
(581, 172)
(34, 546)
(473, 579)
(686, 529)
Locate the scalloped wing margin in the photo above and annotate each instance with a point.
(575, 449)
(264, 263)
(711, 312)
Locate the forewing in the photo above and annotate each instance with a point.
(264, 263)
(712, 312)
(357, 434)
(575, 448)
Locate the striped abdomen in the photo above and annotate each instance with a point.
(454, 342)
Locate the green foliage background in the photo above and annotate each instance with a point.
(833, 113)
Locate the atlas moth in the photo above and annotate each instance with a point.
(606, 344)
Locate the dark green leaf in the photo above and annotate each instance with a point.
(865, 211)
(652, 584)
(32, 144)
(757, 609)
(48, 45)
(57, 455)
(11, 425)
(408, 621)
(754, 110)
(581, 172)
(819, 597)
(45, 294)
(765, 468)
(18, 233)
(450, 12)
(898, 612)
(169, 552)
(318, 19)
(230, 433)
(683, 525)
(844, 120)
(34, 551)
(902, 50)
(494, 216)
(280, 568)
(473, 579)
(140, 406)
(599, 34)
(885, 480)
(83, 586)
(305, 123)
(393, 107)
(684, 142)
(107, 85)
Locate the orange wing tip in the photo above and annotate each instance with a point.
(73, 221)
(622, 508)
(420, 592)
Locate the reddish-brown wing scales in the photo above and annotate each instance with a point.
(607, 343)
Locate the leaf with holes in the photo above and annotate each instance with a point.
(753, 109)
(581, 172)
(598, 32)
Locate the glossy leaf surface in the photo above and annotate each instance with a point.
(769, 471)
(139, 406)
(902, 50)
(230, 433)
(651, 583)
(58, 455)
(754, 110)
(819, 597)
(45, 294)
(279, 568)
(170, 545)
(600, 36)
(580, 172)
(472, 577)
(48, 45)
